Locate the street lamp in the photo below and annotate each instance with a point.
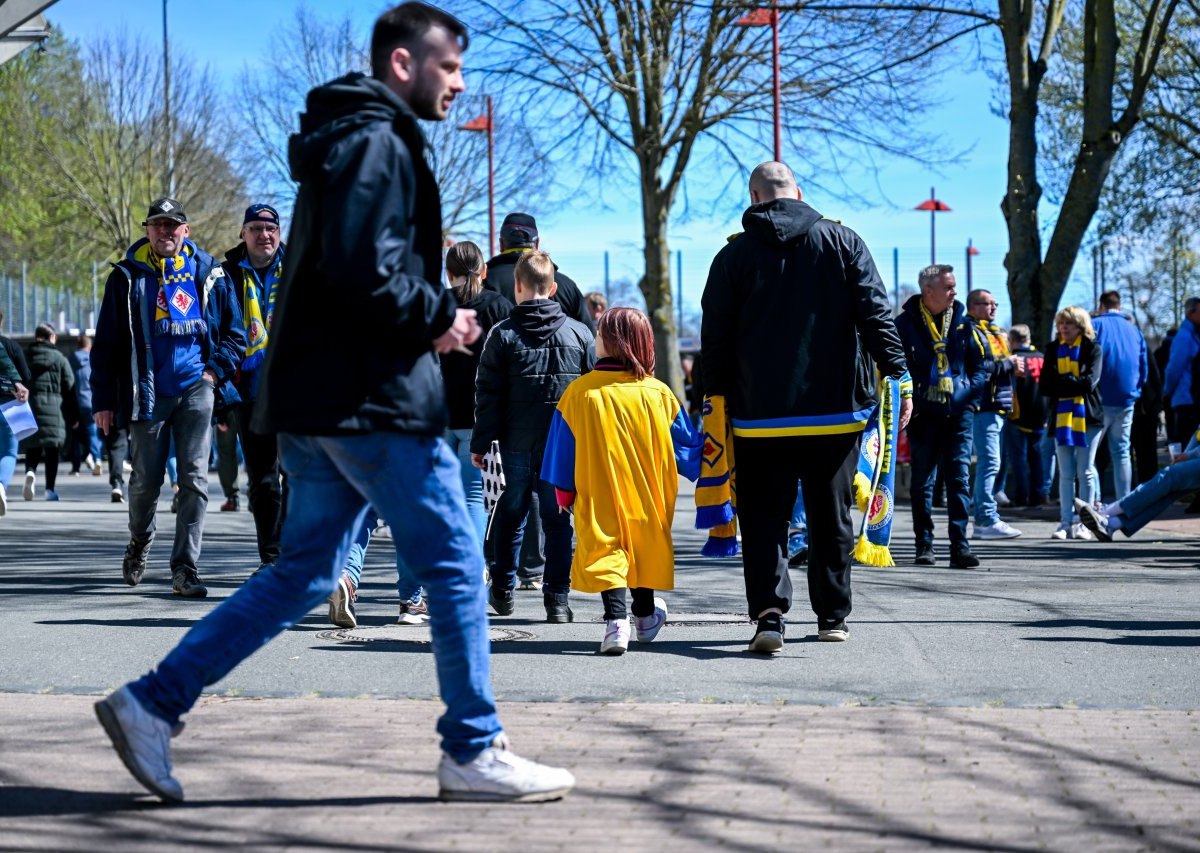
(971, 252)
(485, 124)
(934, 206)
(770, 18)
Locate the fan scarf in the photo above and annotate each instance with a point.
(254, 293)
(876, 477)
(177, 308)
(1071, 416)
(716, 494)
(941, 386)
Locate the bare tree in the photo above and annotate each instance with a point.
(270, 100)
(661, 84)
(1111, 102)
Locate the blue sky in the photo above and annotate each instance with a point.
(226, 35)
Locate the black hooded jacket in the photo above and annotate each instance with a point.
(359, 304)
(526, 365)
(500, 279)
(459, 369)
(795, 319)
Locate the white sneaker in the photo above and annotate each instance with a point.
(646, 628)
(1000, 530)
(3, 501)
(1078, 531)
(499, 775)
(30, 485)
(616, 637)
(1061, 533)
(1002, 499)
(143, 741)
(341, 603)
(97, 469)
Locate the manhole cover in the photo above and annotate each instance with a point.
(684, 619)
(410, 634)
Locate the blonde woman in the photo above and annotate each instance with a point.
(1071, 378)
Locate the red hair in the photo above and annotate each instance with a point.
(628, 338)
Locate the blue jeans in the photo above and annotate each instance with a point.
(940, 441)
(1024, 464)
(472, 478)
(414, 482)
(1149, 500)
(1118, 426)
(1076, 465)
(1049, 453)
(8, 453)
(985, 431)
(521, 480)
(406, 585)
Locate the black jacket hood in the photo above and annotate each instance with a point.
(538, 318)
(336, 109)
(780, 221)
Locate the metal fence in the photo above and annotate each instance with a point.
(25, 305)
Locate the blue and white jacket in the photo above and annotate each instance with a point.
(122, 363)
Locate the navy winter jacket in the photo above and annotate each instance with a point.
(969, 364)
(122, 381)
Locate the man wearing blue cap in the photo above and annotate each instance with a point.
(254, 268)
(169, 335)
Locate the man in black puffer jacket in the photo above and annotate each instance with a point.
(526, 365)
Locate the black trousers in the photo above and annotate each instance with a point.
(615, 607)
(940, 443)
(767, 472)
(34, 457)
(268, 484)
(1144, 440)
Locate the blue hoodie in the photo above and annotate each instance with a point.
(1123, 351)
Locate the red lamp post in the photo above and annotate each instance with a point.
(770, 18)
(485, 124)
(934, 206)
(971, 252)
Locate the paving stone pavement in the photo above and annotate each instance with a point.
(344, 774)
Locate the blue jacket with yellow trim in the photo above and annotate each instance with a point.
(970, 364)
(796, 318)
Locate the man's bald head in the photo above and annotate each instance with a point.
(772, 180)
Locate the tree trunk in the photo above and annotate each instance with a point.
(656, 284)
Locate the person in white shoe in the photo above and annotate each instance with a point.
(618, 441)
(13, 376)
(367, 239)
(1149, 500)
(988, 415)
(1071, 379)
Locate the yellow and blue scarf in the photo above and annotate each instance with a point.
(716, 495)
(177, 307)
(941, 385)
(255, 293)
(1071, 416)
(875, 479)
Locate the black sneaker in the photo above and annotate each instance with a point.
(501, 601)
(558, 611)
(833, 632)
(186, 582)
(962, 558)
(134, 564)
(768, 636)
(925, 555)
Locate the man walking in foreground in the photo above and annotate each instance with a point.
(366, 258)
(795, 319)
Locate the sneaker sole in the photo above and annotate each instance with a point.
(192, 593)
(340, 615)
(767, 643)
(410, 619)
(451, 796)
(833, 636)
(995, 536)
(116, 734)
(615, 651)
(924, 562)
(530, 585)
(560, 619)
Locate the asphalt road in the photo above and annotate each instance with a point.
(1040, 624)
